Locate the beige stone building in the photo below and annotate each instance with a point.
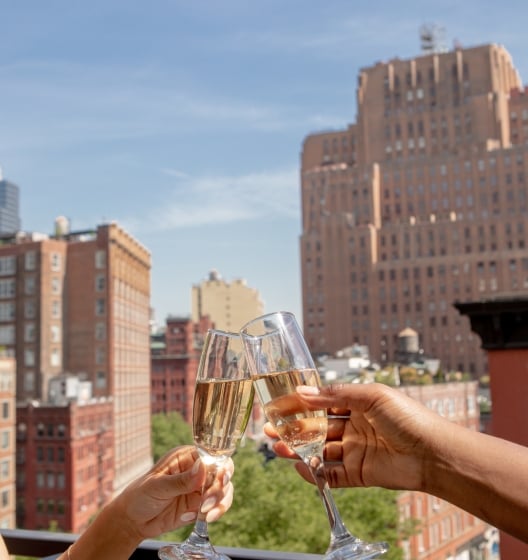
(421, 203)
(229, 304)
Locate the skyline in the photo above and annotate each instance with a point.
(184, 123)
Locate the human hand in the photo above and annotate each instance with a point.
(169, 495)
(383, 437)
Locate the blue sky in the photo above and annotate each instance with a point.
(184, 120)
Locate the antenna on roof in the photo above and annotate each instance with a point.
(433, 38)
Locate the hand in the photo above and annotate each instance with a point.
(168, 496)
(383, 439)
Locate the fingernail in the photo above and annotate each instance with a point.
(307, 390)
(196, 466)
(208, 505)
(188, 516)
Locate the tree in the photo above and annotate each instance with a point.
(168, 431)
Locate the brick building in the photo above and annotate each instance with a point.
(78, 302)
(65, 456)
(175, 355)
(420, 203)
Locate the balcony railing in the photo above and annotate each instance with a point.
(46, 544)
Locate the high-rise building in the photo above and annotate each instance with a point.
(230, 305)
(421, 203)
(9, 207)
(78, 303)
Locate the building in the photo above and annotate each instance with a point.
(422, 202)
(7, 443)
(9, 207)
(175, 355)
(78, 302)
(65, 462)
(443, 530)
(230, 305)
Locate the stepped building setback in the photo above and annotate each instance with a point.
(421, 203)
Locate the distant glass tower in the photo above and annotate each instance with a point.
(9, 207)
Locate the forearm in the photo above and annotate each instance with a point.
(108, 537)
(483, 475)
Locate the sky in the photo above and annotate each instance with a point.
(183, 121)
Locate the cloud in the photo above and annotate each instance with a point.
(218, 200)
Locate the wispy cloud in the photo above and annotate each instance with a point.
(220, 200)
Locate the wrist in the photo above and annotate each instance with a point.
(111, 535)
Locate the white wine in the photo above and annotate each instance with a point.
(221, 411)
(303, 430)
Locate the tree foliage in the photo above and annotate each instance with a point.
(168, 431)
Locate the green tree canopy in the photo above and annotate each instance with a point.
(168, 431)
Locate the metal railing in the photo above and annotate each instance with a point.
(47, 544)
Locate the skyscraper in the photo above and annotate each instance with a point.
(421, 203)
(9, 207)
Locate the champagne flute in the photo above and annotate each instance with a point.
(223, 399)
(279, 360)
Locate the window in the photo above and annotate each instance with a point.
(100, 307)
(30, 260)
(100, 259)
(55, 357)
(7, 334)
(5, 439)
(55, 333)
(7, 288)
(55, 285)
(100, 282)
(55, 309)
(7, 265)
(30, 310)
(29, 357)
(55, 261)
(7, 311)
(29, 332)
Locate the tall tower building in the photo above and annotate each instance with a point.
(78, 303)
(419, 204)
(229, 304)
(9, 207)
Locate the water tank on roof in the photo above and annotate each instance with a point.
(408, 341)
(62, 226)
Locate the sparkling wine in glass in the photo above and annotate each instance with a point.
(279, 361)
(223, 399)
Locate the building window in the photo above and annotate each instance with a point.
(29, 357)
(29, 381)
(100, 282)
(29, 332)
(7, 288)
(5, 498)
(7, 265)
(55, 357)
(30, 260)
(5, 439)
(55, 309)
(55, 285)
(7, 311)
(100, 259)
(100, 307)
(30, 309)
(55, 261)
(4, 470)
(55, 333)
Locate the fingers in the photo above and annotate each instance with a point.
(222, 506)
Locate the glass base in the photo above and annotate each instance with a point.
(187, 551)
(355, 549)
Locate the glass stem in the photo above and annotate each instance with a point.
(339, 532)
